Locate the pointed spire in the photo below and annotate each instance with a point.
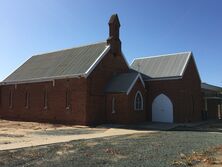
(114, 20)
(114, 26)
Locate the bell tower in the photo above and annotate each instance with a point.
(113, 39)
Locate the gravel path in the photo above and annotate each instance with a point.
(154, 149)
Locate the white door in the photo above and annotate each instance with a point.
(162, 109)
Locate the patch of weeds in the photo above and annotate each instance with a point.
(10, 135)
(112, 151)
(206, 157)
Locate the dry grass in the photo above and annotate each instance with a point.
(206, 158)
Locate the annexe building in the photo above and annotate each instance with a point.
(173, 83)
(212, 101)
(94, 84)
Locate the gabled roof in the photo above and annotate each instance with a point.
(162, 66)
(79, 61)
(123, 82)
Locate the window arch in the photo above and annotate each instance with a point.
(138, 101)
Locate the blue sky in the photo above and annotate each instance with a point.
(148, 27)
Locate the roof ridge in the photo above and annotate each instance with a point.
(80, 46)
(162, 55)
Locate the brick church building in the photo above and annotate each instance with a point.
(94, 84)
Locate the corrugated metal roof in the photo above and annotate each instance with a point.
(211, 87)
(60, 63)
(163, 66)
(121, 82)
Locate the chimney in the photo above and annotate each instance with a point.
(113, 39)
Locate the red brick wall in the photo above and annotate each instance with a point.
(89, 101)
(87, 97)
(99, 78)
(121, 105)
(124, 105)
(184, 93)
(56, 111)
(0, 99)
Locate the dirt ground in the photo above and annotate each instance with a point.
(207, 158)
(199, 146)
(14, 135)
(178, 148)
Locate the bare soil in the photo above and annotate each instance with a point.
(14, 135)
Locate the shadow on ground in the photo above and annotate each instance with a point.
(206, 126)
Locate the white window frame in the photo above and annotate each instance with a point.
(113, 105)
(138, 93)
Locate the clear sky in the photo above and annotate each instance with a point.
(148, 27)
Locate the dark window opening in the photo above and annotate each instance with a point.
(10, 99)
(45, 99)
(113, 105)
(68, 99)
(27, 99)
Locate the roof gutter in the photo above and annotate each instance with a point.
(164, 78)
(52, 79)
(38, 80)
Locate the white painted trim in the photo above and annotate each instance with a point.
(185, 65)
(163, 55)
(135, 109)
(93, 66)
(133, 83)
(164, 79)
(195, 64)
(183, 69)
(43, 79)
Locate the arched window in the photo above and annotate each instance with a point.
(138, 101)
